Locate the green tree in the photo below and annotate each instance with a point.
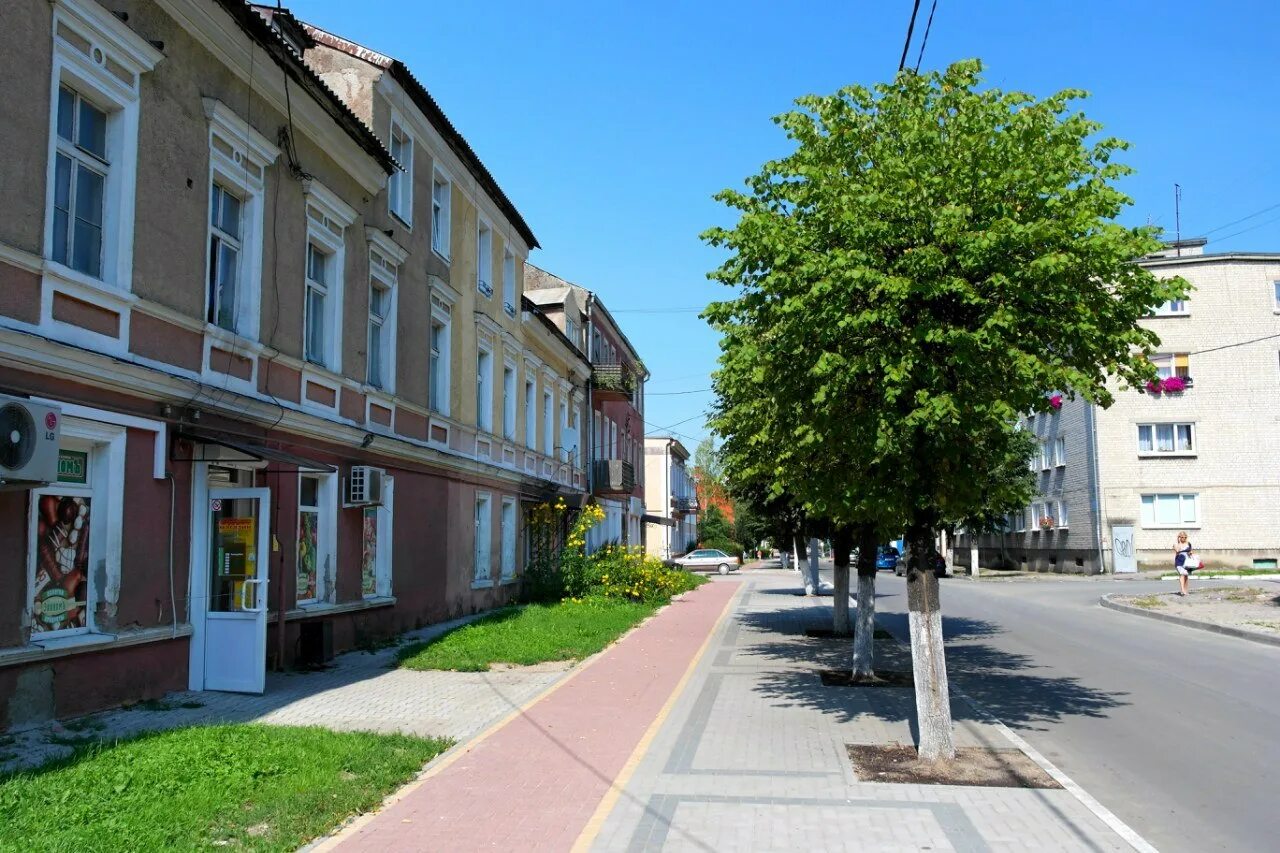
(715, 531)
(929, 262)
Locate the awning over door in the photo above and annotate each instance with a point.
(208, 446)
(657, 519)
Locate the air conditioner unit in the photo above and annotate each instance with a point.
(28, 442)
(364, 486)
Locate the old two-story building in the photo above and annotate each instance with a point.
(268, 303)
(672, 497)
(1194, 452)
(615, 414)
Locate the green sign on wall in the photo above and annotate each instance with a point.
(73, 466)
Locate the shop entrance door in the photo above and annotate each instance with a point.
(235, 623)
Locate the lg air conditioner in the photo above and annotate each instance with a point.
(364, 486)
(28, 442)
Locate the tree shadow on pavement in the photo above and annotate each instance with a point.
(1005, 684)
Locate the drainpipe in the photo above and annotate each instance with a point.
(590, 331)
(1096, 497)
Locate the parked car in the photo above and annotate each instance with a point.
(939, 566)
(707, 558)
(886, 557)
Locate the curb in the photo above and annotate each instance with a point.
(1225, 630)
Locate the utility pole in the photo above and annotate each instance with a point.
(1177, 218)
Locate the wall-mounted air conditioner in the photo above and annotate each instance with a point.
(28, 442)
(364, 486)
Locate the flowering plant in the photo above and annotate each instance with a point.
(1046, 522)
(1174, 384)
(1155, 386)
(1055, 401)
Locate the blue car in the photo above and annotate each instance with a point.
(887, 557)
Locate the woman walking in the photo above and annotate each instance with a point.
(1181, 551)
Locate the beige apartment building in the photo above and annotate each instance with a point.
(1197, 453)
(672, 498)
(268, 304)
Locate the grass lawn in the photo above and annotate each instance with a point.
(568, 630)
(239, 786)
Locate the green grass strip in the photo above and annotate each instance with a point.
(534, 633)
(238, 786)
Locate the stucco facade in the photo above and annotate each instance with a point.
(672, 498)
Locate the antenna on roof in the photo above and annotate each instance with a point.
(1177, 218)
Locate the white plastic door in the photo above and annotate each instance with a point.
(1122, 556)
(235, 624)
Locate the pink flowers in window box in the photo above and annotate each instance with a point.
(1174, 384)
(1055, 401)
(1155, 386)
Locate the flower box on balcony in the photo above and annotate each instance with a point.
(1046, 523)
(1174, 384)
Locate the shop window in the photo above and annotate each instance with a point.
(375, 564)
(484, 538)
(317, 506)
(508, 538)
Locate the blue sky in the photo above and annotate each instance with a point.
(610, 125)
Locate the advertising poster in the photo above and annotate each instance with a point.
(62, 563)
(369, 563)
(308, 542)
(237, 552)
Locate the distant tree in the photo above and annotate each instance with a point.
(715, 531)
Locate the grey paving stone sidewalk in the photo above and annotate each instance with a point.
(361, 691)
(752, 756)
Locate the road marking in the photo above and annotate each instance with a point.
(610, 799)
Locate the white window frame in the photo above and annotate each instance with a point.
(1185, 500)
(484, 258)
(483, 540)
(509, 282)
(1021, 518)
(385, 516)
(95, 66)
(239, 157)
(1175, 426)
(509, 400)
(385, 258)
(1037, 513)
(1060, 451)
(106, 446)
(438, 390)
(326, 509)
(1172, 308)
(1166, 364)
(1046, 456)
(327, 219)
(441, 212)
(564, 427)
(531, 412)
(484, 387)
(1275, 287)
(509, 534)
(400, 182)
(548, 425)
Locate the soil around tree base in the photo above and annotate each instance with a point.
(884, 678)
(975, 766)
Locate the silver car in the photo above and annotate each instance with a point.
(707, 558)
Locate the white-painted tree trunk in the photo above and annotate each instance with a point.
(813, 583)
(973, 556)
(928, 659)
(841, 546)
(865, 628)
(795, 551)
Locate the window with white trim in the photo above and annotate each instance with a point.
(1275, 285)
(441, 195)
(400, 181)
(484, 259)
(484, 389)
(530, 414)
(1037, 514)
(375, 552)
(93, 144)
(1060, 451)
(327, 219)
(548, 426)
(381, 345)
(1172, 308)
(438, 368)
(1046, 456)
(316, 308)
(1171, 510)
(1173, 438)
(1020, 519)
(1172, 364)
(564, 428)
(224, 257)
(509, 401)
(508, 538)
(317, 537)
(1058, 512)
(484, 537)
(509, 282)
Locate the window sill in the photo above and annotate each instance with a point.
(1168, 314)
(231, 339)
(311, 611)
(407, 223)
(1195, 526)
(1156, 455)
(484, 584)
(441, 255)
(59, 647)
(87, 284)
(509, 581)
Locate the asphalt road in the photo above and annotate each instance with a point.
(1175, 730)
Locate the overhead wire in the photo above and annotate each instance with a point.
(911, 26)
(925, 40)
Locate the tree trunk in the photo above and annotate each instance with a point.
(865, 629)
(841, 545)
(795, 550)
(929, 664)
(973, 555)
(813, 584)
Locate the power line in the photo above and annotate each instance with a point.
(675, 393)
(928, 26)
(698, 309)
(1237, 344)
(911, 26)
(1241, 219)
(1253, 227)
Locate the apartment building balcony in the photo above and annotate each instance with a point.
(614, 477)
(684, 505)
(612, 381)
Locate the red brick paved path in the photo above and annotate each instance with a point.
(534, 783)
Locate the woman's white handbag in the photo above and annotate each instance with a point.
(1192, 562)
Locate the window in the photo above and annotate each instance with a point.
(375, 562)
(509, 282)
(1166, 438)
(484, 259)
(1172, 364)
(1276, 286)
(385, 258)
(315, 309)
(509, 402)
(80, 177)
(438, 369)
(317, 507)
(1060, 451)
(1172, 308)
(1046, 456)
(1020, 520)
(564, 430)
(380, 333)
(224, 257)
(484, 539)
(484, 390)
(548, 428)
(1170, 510)
(440, 203)
(530, 414)
(571, 331)
(1057, 510)
(508, 538)
(400, 182)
